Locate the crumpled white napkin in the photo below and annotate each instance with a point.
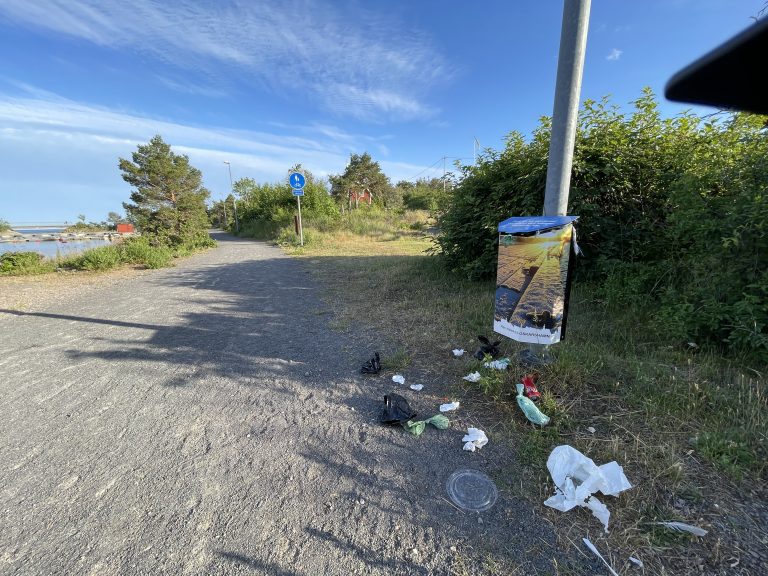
(474, 439)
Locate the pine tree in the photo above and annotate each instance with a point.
(168, 199)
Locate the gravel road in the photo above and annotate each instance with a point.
(205, 419)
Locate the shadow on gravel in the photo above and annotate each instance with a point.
(254, 563)
(259, 323)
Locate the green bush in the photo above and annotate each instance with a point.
(673, 216)
(287, 237)
(24, 263)
(139, 251)
(97, 259)
(261, 229)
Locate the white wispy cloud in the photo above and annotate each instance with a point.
(615, 54)
(61, 156)
(354, 61)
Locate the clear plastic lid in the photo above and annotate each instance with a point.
(471, 490)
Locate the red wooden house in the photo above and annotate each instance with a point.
(357, 195)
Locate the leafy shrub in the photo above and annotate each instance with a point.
(139, 251)
(673, 216)
(261, 229)
(288, 237)
(98, 259)
(22, 263)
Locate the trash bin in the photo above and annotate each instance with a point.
(536, 256)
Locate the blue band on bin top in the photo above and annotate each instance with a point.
(523, 224)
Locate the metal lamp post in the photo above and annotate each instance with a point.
(234, 200)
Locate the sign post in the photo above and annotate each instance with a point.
(297, 182)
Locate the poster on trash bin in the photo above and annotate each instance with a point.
(533, 278)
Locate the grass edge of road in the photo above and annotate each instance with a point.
(689, 427)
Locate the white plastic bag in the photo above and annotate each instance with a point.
(578, 478)
(449, 406)
(473, 377)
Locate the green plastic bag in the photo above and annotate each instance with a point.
(417, 427)
(530, 409)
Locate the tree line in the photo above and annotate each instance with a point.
(673, 212)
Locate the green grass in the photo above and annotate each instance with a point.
(396, 361)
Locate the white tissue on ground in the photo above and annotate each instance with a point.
(417, 387)
(458, 352)
(473, 377)
(474, 439)
(501, 364)
(578, 478)
(448, 407)
(399, 379)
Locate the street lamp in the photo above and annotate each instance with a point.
(234, 200)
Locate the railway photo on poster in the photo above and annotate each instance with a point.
(532, 281)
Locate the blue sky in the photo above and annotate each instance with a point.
(265, 85)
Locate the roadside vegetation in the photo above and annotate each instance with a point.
(136, 251)
(167, 207)
(668, 327)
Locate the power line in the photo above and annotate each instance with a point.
(433, 165)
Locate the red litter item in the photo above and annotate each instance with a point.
(529, 385)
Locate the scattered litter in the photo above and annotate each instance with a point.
(416, 427)
(681, 527)
(487, 348)
(396, 410)
(529, 383)
(692, 345)
(458, 352)
(637, 562)
(530, 409)
(373, 366)
(416, 387)
(398, 379)
(596, 553)
(474, 377)
(591, 430)
(501, 364)
(475, 438)
(448, 407)
(471, 490)
(577, 478)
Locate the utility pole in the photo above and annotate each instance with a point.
(234, 200)
(565, 114)
(444, 157)
(570, 65)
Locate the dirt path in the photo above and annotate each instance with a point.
(205, 419)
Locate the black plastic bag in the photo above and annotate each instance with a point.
(486, 347)
(396, 410)
(373, 366)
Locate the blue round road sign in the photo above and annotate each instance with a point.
(297, 180)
